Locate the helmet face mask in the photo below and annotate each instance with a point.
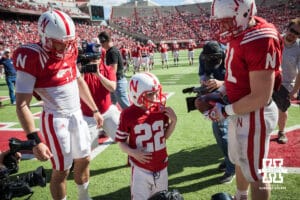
(145, 91)
(57, 32)
(229, 18)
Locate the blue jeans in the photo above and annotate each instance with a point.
(11, 81)
(220, 130)
(121, 95)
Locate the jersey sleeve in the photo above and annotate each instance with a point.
(122, 131)
(26, 60)
(263, 54)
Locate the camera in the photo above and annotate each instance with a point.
(205, 95)
(85, 59)
(15, 145)
(22, 185)
(190, 101)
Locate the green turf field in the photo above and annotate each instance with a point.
(193, 153)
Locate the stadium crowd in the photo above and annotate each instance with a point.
(166, 23)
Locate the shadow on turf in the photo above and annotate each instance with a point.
(195, 157)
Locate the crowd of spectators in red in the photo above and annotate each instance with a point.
(173, 25)
(158, 24)
(40, 7)
(22, 31)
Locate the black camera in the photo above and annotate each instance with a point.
(85, 59)
(190, 101)
(21, 186)
(15, 145)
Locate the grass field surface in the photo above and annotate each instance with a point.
(193, 153)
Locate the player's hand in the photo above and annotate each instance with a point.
(217, 113)
(99, 119)
(142, 156)
(42, 152)
(213, 84)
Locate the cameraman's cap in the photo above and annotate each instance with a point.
(103, 37)
(212, 47)
(6, 51)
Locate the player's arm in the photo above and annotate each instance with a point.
(86, 96)
(24, 88)
(24, 114)
(169, 112)
(259, 96)
(138, 154)
(23, 99)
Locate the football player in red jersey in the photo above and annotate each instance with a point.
(175, 51)
(191, 47)
(142, 133)
(49, 69)
(163, 48)
(253, 58)
(151, 46)
(136, 57)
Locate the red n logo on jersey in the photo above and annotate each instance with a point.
(44, 23)
(133, 85)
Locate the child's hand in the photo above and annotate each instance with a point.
(142, 156)
(169, 112)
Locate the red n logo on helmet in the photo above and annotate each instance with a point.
(133, 85)
(44, 23)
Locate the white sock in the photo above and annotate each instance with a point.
(240, 194)
(83, 191)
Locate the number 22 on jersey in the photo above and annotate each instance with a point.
(150, 136)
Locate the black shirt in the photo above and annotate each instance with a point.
(113, 56)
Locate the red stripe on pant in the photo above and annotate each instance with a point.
(250, 150)
(262, 138)
(55, 140)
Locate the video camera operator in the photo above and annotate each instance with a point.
(212, 73)
(101, 83)
(9, 164)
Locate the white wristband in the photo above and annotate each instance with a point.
(229, 110)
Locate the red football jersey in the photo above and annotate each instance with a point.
(163, 48)
(145, 51)
(54, 80)
(145, 131)
(49, 72)
(258, 48)
(175, 47)
(191, 46)
(151, 48)
(136, 51)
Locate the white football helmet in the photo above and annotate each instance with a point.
(142, 87)
(54, 27)
(229, 18)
